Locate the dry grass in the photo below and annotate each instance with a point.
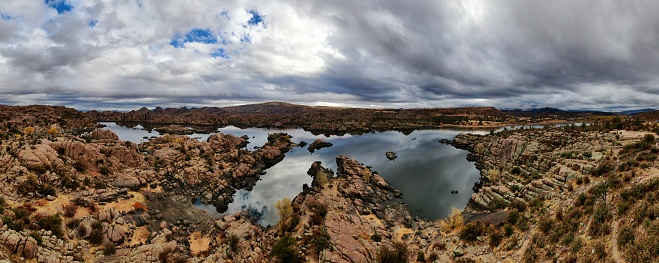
(453, 222)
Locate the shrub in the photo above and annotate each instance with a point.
(519, 205)
(600, 250)
(285, 250)
(28, 186)
(626, 236)
(69, 182)
(162, 256)
(471, 231)
(508, 230)
(320, 240)
(495, 239)
(70, 210)
(233, 243)
(433, 257)
(513, 216)
(376, 237)
(52, 223)
(80, 166)
(544, 225)
(73, 223)
(96, 236)
(496, 204)
(453, 221)
(420, 257)
(398, 254)
(576, 244)
(516, 170)
(109, 249)
(37, 237)
(104, 171)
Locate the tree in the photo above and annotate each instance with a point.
(28, 130)
(53, 130)
(284, 208)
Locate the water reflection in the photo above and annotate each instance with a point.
(425, 171)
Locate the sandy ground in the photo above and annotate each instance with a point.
(199, 243)
(126, 204)
(631, 134)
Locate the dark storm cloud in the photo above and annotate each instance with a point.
(568, 54)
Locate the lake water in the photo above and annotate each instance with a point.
(425, 171)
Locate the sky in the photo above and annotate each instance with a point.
(125, 54)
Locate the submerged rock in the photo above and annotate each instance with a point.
(391, 155)
(318, 144)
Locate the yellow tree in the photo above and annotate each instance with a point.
(53, 130)
(285, 208)
(28, 130)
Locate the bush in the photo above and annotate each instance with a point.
(233, 243)
(420, 257)
(398, 254)
(96, 236)
(28, 186)
(508, 230)
(519, 205)
(576, 245)
(453, 221)
(70, 210)
(471, 231)
(495, 239)
(104, 171)
(37, 237)
(52, 223)
(320, 240)
(109, 249)
(73, 223)
(496, 204)
(516, 170)
(376, 237)
(513, 216)
(626, 236)
(69, 182)
(80, 166)
(433, 257)
(544, 225)
(285, 250)
(600, 250)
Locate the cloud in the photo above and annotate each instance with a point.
(123, 54)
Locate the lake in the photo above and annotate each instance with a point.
(425, 171)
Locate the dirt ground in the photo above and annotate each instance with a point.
(176, 207)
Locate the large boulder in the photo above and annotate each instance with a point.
(126, 181)
(114, 233)
(100, 134)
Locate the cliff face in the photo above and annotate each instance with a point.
(571, 179)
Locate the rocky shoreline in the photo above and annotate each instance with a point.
(71, 193)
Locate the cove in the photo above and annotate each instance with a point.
(426, 172)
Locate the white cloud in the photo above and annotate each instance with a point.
(402, 54)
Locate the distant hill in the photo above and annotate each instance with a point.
(648, 115)
(318, 118)
(632, 112)
(555, 113)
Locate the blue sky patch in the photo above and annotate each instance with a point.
(5, 17)
(93, 23)
(196, 35)
(60, 5)
(220, 52)
(256, 18)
